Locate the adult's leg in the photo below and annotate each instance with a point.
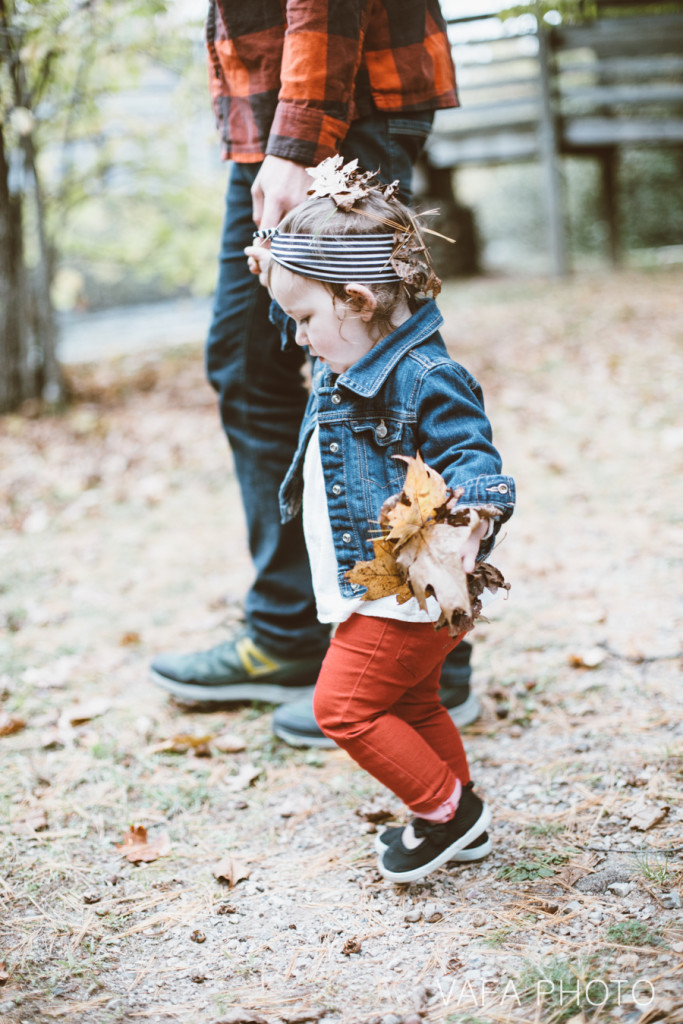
(261, 399)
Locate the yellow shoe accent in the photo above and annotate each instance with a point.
(255, 661)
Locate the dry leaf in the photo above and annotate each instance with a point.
(136, 847)
(646, 816)
(182, 744)
(419, 552)
(244, 778)
(433, 567)
(576, 869)
(231, 871)
(591, 658)
(228, 743)
(9, 724)
(32, 821)
(240, 1015)
(381, 575)
(424, 491)
(351, 946)
(130, 638)
(375, 810)
(86, 711)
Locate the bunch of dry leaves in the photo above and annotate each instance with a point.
(419, 551)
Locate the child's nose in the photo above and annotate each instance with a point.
(300, 336)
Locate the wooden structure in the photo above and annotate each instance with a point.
(531, 92)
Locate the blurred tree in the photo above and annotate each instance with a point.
(58, 58)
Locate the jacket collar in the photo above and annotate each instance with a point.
(368, 375)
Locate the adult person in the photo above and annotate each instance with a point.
(291, 85)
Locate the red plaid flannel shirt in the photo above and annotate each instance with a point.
(289, 76)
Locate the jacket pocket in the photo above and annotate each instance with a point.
(377, 441)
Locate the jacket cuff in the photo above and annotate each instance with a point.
(304, 134)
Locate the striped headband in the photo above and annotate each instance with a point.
(334, 258)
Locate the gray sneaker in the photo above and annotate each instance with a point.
(237, 669)
(295, 723)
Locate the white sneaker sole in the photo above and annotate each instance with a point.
(297, 739)
(462, 857)
(480, 825)
(195, 693)
(467, 712)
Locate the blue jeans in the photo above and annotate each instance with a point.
(262, 396)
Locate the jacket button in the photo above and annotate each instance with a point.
(336, 398)
(382, 430)
(334, 447)
(346, 537)
(502, 488)
(336, 488)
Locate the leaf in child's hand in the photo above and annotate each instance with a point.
(432, 563)
(424, 491)
(381, 575)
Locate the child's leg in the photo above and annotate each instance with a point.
(361, 702)
(421, 708)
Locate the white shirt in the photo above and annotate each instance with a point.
(331, 605)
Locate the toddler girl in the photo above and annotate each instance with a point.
(349, 284)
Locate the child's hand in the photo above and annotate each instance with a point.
(258, 259)
(470, 549)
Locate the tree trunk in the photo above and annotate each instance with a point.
(13, 340)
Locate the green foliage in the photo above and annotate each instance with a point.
(631, 933)
(541, 864)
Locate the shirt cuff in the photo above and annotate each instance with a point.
(304, 134)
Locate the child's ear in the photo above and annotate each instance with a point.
(363, 300)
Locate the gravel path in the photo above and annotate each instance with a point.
(120, 535)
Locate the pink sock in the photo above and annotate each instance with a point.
(446, 810)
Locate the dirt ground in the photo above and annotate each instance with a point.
(122, 536)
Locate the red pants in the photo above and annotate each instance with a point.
(377, 697)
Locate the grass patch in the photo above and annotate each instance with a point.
(560, 989)
(542, 864)
(632, 933)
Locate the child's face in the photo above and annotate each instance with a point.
(334, 334)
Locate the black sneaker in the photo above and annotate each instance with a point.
(238, 669)
(425, 845)
(477, 850)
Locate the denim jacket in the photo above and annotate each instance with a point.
(403, 396)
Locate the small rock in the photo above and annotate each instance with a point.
(198, 936)
(92, 897)
(627, 960)
(351, 946)
(413, 915)
(620, 888)
(390, 1018)
(479, 920)
(412, 1018)
(197, 978)
(671, 900)
(6, 1006)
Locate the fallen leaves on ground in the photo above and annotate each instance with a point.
(418, 554)
(644, 816)
(136, 847)
(182, 743)
(10, 724)
(231, 870)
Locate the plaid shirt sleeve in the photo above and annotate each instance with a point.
(321, 56)
(289, 76)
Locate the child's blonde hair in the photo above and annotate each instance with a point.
(373, 214)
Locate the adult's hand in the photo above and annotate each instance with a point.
(279, 186)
